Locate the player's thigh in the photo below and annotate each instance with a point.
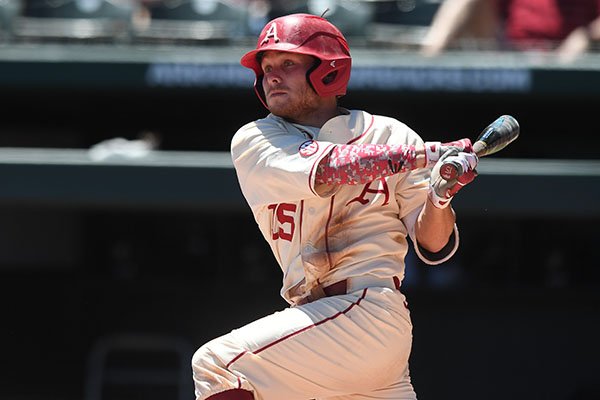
(345, 344)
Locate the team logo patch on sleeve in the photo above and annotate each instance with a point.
(308, 148)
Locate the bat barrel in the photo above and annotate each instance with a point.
(498, 135)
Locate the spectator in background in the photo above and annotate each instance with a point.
(566, 27)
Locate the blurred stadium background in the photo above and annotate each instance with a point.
(125, 243)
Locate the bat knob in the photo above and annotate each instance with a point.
(450, 170)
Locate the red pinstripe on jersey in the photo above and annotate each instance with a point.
(301, 219)
(327, 232)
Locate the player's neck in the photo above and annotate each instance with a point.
(319, 117)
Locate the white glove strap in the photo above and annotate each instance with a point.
(438, 201)
(432, 153)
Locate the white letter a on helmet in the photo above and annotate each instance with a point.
(271, 33)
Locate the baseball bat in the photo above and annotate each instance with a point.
(496, 136)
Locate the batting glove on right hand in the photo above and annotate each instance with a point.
(442, 191)
(435, 150)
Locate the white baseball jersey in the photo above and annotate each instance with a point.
(353, 230)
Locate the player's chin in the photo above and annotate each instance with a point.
(280, 108)
(276, 100)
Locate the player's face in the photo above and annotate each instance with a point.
(287, 92)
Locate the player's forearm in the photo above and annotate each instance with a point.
(363, 163)
(434, 227)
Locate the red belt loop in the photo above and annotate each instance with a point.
(397, 282)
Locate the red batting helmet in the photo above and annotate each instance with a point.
(310, 35)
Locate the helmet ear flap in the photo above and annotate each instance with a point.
(329, 78)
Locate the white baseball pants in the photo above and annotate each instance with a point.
(348, 347)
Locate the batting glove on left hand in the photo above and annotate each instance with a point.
(442, 191)
(435, 150)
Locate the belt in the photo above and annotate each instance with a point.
(350, 285)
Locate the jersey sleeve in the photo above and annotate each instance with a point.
(426, 256)
(411, 195)
(276, 164)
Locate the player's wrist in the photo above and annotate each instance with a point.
(438, 201)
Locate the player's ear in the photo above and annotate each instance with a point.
(329, 78)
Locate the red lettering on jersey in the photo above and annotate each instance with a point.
(283, 221)
(382, 188)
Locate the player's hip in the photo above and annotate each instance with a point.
(369, 330)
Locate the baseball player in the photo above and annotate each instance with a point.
(336, 193)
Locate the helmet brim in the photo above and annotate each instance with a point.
(250, 60)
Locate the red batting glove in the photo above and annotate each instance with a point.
(434, 150)
(442, 191)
